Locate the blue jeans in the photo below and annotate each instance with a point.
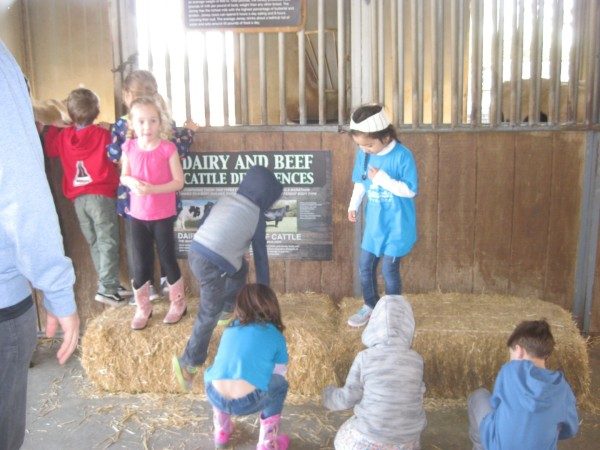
(270, 402)
(390, 270)
(17, 341)
(217, 293)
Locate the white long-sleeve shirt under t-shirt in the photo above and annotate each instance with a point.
(396, 187)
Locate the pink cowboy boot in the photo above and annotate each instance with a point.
(223, 428)
(178, 305)
(269, 438)
(143, 310)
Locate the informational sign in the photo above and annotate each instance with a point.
(298, 224)
(245, 15)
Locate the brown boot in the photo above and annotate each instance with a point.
(178, 305)
(143, 310)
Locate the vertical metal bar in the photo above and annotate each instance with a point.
(186, 78)
(244, 78)
(301, 78)
(494, 66)
(394, 57)
(476, 21)
(400, 27)
(420, 61)
(596, 94)
(380, 53)
(415, 64)
(461, 58)
(205, 78)
(574, 61)
(168, 73)
(321, 59)
(341, 62)
(282, 102)
(436, 42)
(520, 59)
(371, 9)
(454, 17)
(555, 63)
(440, 61)
(535, 61)
(262, 69)
(588, 234)
(225, 82)
(591, 63)
(514, 65)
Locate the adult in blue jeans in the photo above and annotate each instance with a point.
(216, 258)
(384, 171)
(31, 253)
(248, 374)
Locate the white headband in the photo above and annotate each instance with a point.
(376, 122)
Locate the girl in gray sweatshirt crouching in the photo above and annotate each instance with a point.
(385, 384)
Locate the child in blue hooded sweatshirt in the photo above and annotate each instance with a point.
(532, 407)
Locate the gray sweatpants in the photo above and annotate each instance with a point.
(99, 224)
(478, 406)
(17, 341)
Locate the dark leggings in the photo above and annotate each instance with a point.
(143, 235)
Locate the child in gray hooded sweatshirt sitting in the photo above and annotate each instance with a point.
(385, 384)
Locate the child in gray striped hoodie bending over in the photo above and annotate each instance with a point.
(385, 385)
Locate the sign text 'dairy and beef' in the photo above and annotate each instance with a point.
(298, 224)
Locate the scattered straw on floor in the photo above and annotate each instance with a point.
(462, 338)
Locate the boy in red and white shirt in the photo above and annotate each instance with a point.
(90, 180)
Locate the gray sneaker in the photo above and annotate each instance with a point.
(123, 291)
(164, 287)
(110, 299)
(361, 317)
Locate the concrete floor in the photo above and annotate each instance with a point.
(64, 412)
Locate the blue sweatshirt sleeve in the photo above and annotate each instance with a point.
(32, 247)
(259, 249)
(570, 426)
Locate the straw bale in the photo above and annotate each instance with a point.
(462, 339)
(118, 359)
(310, 320)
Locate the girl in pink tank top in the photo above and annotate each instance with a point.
(151, 168)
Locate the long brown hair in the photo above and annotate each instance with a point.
(257, 303)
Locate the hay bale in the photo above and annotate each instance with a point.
(118, 359)
(310, 320)
(462, 338)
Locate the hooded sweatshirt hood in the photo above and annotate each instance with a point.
(533, 407)
(392, 323)
(261, 187)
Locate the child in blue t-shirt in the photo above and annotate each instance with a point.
(386, 172)
(248, 374)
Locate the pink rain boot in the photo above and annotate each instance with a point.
(223, 428)
(178, 305)
(269, 439)
(143, 310)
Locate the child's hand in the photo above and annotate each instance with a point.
(143, 188)
(352, 216)
(372, 172)
(191, 125)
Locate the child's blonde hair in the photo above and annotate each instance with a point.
(141, 83)
(155, 102)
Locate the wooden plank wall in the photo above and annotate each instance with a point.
(498, 212)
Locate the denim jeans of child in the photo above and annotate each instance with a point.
(390, 269)
(218, 290)
(270, 402)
